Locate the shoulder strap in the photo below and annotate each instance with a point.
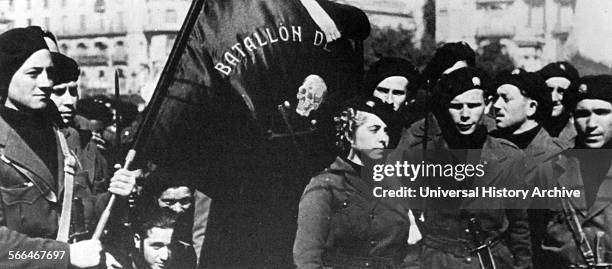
(69, 170)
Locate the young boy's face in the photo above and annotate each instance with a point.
(155, 248)
(466, 110)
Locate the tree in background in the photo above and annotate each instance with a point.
(492, 58)
(398, 42)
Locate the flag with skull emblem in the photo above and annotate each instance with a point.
(245, 61)
(246, 89)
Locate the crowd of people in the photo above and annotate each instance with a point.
(56, 178)
(544, 129)
(549, 128)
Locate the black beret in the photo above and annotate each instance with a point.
(16, 46)
(95, 109)
(530, 85)
(458, 82)
(67, 69)
(446, 56)
(589, 87)
(163, 178)
(375, 106)
(559, 69)
(389, 67)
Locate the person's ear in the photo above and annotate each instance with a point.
(136, 240)
(349, 137)
(532, 107)
(488, 104)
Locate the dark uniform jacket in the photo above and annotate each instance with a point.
(540, 156)
(446, 229)
(596, 220)
(90, 158)
(31, 207)
(568, 134)
(541, 153)
(342, 225)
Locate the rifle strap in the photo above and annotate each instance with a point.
(69, 170)
(581, 240)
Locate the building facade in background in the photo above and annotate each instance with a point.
(534, 32)
(406, 14)
(134, 37)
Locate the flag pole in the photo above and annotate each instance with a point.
(166, 75)
(153, 107)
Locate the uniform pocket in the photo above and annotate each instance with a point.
(24, 209)
(27, 194)
(356, 214)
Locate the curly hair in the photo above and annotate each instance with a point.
(346, 125)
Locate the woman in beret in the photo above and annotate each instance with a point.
(340, 223)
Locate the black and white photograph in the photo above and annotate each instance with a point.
(308, 134)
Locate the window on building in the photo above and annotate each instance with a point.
(64, 48)
(11, 5)
(63, 3)
(29, 4)
(119, 55)
(486, 5)
(29, 21)
(171, 16)
(100, 6)
(45, 3)
(82, 22)
(170, 43)
(81, 50)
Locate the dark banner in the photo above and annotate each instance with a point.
(240, 70)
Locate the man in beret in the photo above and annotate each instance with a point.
(460, 100)
(448, 58)
(523, 104)
(65, 95)
(395, 81)
(579, 229)
(558, 77)
(391, 79)
(36, 167)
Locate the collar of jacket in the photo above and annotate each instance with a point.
(568, 135)
(342, 167)
(18, 151)
(542, 148)
(571, 178)
(493, 148)
(77, 139)
(434, 132)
